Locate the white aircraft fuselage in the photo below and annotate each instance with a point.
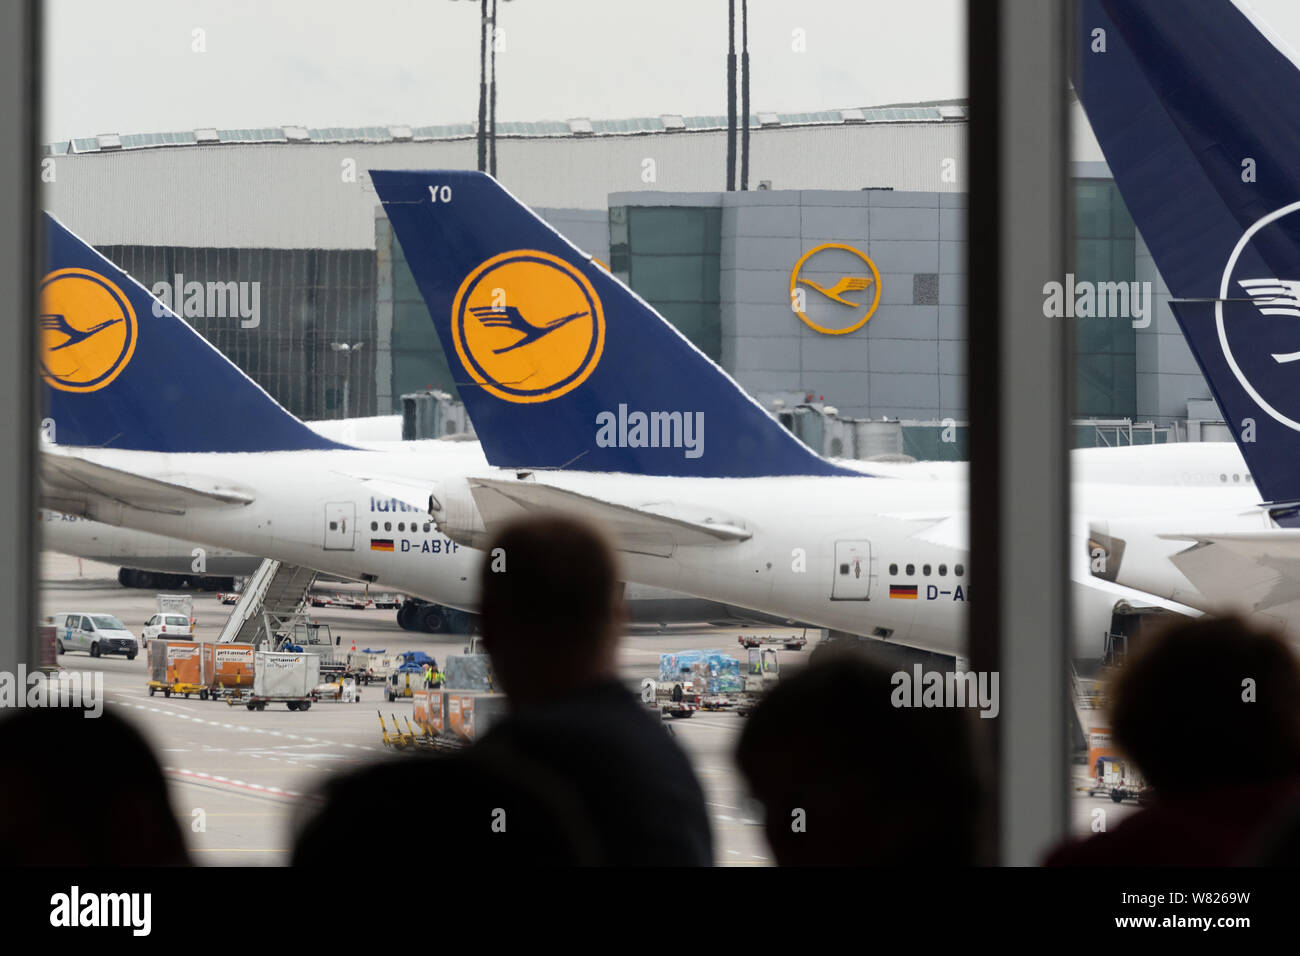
(877, 556)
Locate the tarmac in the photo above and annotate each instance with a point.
(240, 780)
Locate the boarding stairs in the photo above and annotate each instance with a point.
(273, 601)
(1085, 693)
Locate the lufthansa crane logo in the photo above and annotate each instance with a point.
(1257, 332)
(841, 288)
(88, 330)
(528, 326)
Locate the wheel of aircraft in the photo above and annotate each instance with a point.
(404, 616)
(431, 619)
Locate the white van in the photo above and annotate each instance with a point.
(96, 634)
(174, 627)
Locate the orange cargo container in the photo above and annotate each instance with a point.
(184, 663)
(230, 665)
(460, 715)
(429, 706)
(1099, 745)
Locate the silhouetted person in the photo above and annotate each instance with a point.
(579, 772)
(500, 811)
(80, 791)
(1209, 712)
(551, 619)
(848, 779)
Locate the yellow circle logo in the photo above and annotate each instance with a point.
(528, 326)
(834, 292)
(88, 330)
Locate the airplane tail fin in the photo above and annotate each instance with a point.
(1193, 105)
(121, 370)
(559, 363)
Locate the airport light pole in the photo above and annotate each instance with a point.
(482, 87)
(744, 94)
(487, 87)
(731, 95)
(347, 350)
(492, 94)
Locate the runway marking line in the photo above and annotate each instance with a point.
(256, 787)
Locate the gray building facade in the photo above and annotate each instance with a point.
(905, 361)
(840, 279)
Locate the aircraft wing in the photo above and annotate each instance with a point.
(636, 530)
(1258, 568)
(69, 484)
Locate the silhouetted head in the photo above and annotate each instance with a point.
(1198, 694)
(82, 791)
(551, 610)
(848, 779)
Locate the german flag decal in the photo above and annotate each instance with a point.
(386, 544)
(905, 591)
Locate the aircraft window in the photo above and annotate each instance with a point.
(401, 526)
(1248, 478)
(1236, 477)
(911, 569)
(388, 526)
(334, 526)
(893, 569)
(1223, 477)
(374, 526)
(426, 527)
(844, 569)
(943, 570)
(925, 570)
(958, 570)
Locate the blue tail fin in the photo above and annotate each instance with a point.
(559, 363)
(1195, 110)
(123, 371)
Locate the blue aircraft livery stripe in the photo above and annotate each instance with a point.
(561, 365)
(1194, 108)
(121, 370)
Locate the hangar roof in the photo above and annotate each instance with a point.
(294, 187)
(936, 112)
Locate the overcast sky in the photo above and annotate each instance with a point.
(130, 66)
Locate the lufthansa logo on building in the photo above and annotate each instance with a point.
(838, 284)
(528, 326)
(88, 330)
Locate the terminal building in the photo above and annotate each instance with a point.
(834, 289)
